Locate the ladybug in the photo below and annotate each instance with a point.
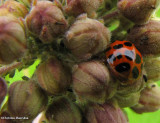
(124, 61)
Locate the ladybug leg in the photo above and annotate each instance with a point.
(145, 78)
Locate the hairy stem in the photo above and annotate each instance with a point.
(7, 68)
(111, 15)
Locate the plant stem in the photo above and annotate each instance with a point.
(7, 68)
(111, 15)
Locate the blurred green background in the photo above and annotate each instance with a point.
(153, 117)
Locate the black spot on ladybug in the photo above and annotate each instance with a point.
(108, 49)
(129, 58)
(119, 56)
(114, 59)
(141, 66)
(122, 67)
(138, 59)
(110, 56)
(135, 72)
(118, 46)
(129, 54)
(128, 44)
(145, 78)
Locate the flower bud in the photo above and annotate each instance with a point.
(15, 8)
(146, 38)
(149, 100)
(136, 86)
(3, 90)
(87, 37)
(46, 21)
(12, 39)
(26, 99)
(152, 68)
(53, 77)
(127, 100)
(92, 82)
(63, 110)
(138, 11)
(106, 113)
(77, 7)
(5, 12)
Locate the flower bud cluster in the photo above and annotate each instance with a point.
(73, 83)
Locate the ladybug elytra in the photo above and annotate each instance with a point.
(124, 61)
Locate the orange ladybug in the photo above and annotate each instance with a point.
(124, 61)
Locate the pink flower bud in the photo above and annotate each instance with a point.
(92, 82)
(77, 7)
(138, 11)
(3, 90)
(105, 113)
(149, 100)
(146, 38)
(26, 99)
(46, 21)
(63, 110)
(87, 37)
(15, 8)
(53, 77)
(12, 39)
